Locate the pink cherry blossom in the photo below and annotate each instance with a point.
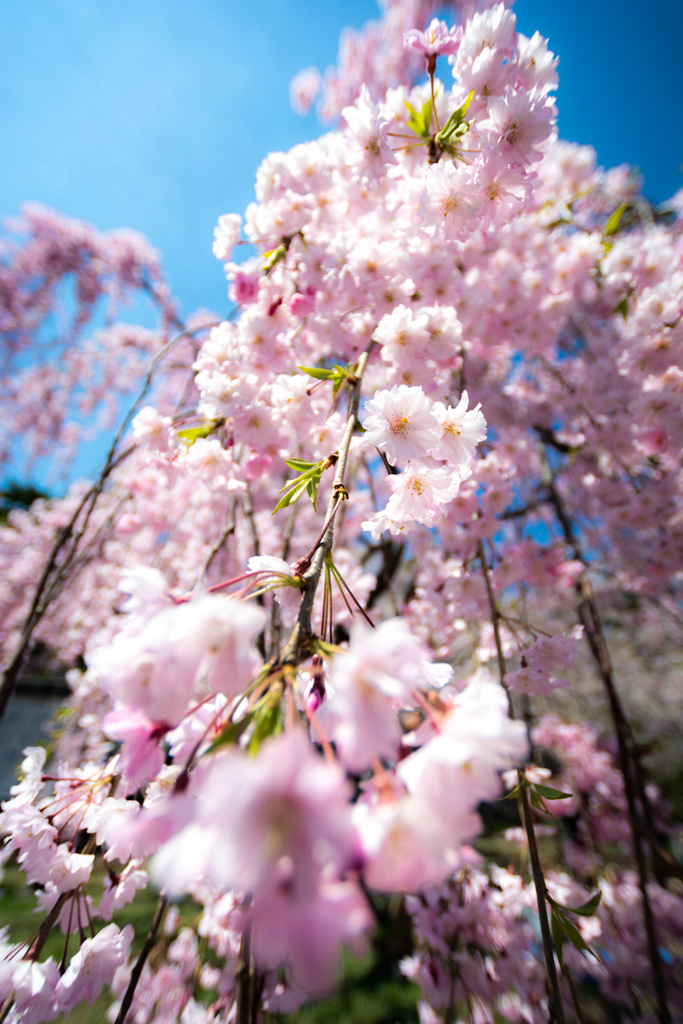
(449, 200)
(303, 89)
(461, 431)
(400, 422)
(226, 235)
(367, 132)
(435, 41)
(369, 683)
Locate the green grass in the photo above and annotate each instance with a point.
(371, 991)
(17, 906)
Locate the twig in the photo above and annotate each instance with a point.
(243, 1007)
(144, 953)
(291, 653)
(569, 977)
(228, 530)
(47, 585)
(589, 617)
(555, 998)
(249, 513)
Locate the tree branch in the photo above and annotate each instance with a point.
(589, 616)
(144, 953)
(555, 998)
(54, 576)
(291, 653)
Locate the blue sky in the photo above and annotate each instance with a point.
(154, 114)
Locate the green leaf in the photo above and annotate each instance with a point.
(300, 464)
(585, 910)
(551, 794)
(456, 123)
(312, 489)
(190, 434)
(614, 220)
(575, 937)
(307, 481)
(622, 307)
(267, 718)
(318, 372)
(589, 908)
(272, 258)
(513, 794)
(338, 375)
(421, 123)
(537, 801)
(291, 495)
(232, 734)
(326, 649)
(558, 935)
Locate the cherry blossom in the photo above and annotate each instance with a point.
(400, 422)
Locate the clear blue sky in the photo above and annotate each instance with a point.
(154, 114)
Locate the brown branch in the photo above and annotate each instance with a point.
(140, 963)
(228, 530)
(249, 513)
(554, 995)
(629, 760)
(242, 971)
(53, 576)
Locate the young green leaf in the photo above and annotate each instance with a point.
(232, 734)
(456, 123)
(308, 481)
(420, 122)
(338, 375)
(537, 801)
(614, 220)
(551, 794)
(585, 910)
(190, 434)
(291, 495)
(272, 258)
(513, 794)
(267, 718)
(318, 372)
(589, 908)
(575, 937)
(300, 464)
(312, 490)
(622, 307)
(327, 650)
(558, 935)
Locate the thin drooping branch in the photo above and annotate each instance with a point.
(629, 763)
(291, 653)
(140, 963)
(555, 998)
(54, 575)
(249, 513)
(242, 994)
(495, 621)
(228, 530)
